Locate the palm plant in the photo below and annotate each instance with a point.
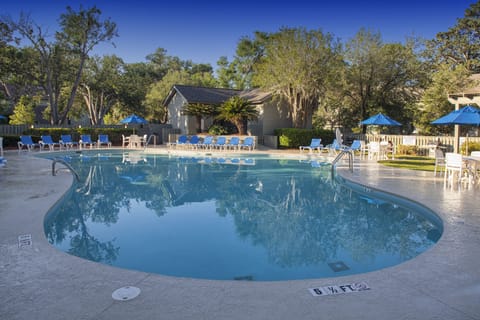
(200, 111)
(238, 111)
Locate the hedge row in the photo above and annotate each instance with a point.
(293, 138)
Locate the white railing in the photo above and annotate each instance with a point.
(421, 142)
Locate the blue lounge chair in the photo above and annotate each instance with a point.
(248, 143)
(27, 143)
(315, 144)
(47, 141)
(220, 143)
(67, 142)
(181, 141)
(207, 142)
(335, 147)
(103, 139)
(86, 139)
(355, 146)
(233, 143)
(193, 142)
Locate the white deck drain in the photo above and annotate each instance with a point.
(125, 293)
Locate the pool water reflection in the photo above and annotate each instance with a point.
(242, 218)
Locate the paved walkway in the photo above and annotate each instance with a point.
(39, 282)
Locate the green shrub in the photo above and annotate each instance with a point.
(472, 146)
(217, 130)
(407, 150)
(293, 138)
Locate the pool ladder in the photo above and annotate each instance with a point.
(148, 141)
(340, 156)
(66, 164)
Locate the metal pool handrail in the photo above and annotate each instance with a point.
(340, 156)
(66, 164)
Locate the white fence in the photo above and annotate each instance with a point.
(424, 143)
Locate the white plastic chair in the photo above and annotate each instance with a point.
(314, 144)
(373, 150)
(363, 149)
(454, 168)
(439, 160)
(125, 141)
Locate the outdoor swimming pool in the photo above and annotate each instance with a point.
(244, 218)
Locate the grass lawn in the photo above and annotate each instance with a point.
(411, 162)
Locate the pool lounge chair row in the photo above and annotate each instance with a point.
(333, 148)
(66, 142)
(214, 143)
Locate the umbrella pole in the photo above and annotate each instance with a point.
(466, 144)
(456, 141)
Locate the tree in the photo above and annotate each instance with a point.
(238, 74)
(434, 102)
(81, 32)
(60, 59)
(23, 113)
(158, 91)
(162, 63)
(238, 111)
(226, 75)
(296, 66)
(17, 73)
(99, 89)
(460, 45)
(380, 77)
(133, 85)
(200, 111)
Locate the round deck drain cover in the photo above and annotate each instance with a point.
(125, 293)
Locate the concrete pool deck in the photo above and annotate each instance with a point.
(39, 282)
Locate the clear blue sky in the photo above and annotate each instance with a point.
(203, 31)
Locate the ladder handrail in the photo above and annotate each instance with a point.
(66, 164)
(340, 156)
(147, 142)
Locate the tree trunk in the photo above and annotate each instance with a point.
(239, 123)
(71, 99)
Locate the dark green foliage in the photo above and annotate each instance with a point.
(238, 111)
(293, 137)
(407, 150)
(10, 141)
(472, 146)
(218, 130)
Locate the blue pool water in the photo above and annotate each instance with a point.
(243, 218)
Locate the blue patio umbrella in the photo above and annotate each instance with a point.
(467, 115)
(133, 119)
(380, 120)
